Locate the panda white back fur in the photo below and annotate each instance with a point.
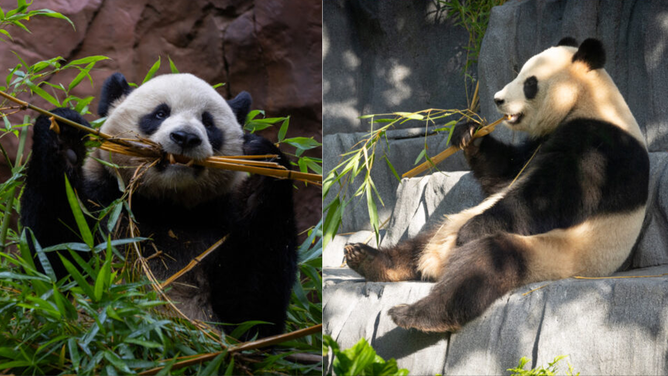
(183, 208)
(577, 208)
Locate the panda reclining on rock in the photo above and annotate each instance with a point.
(577, 208)
(183, 209)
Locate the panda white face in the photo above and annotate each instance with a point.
(190, 121)
(542, 94)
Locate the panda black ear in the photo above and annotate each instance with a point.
(241, 106)
(114, 87)
(592, 53)
(568, 41)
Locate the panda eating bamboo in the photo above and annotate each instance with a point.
(183, 208)
(577, 208)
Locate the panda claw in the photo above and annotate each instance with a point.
(463, 134)
(362, 259)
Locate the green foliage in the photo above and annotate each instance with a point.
(551, 369)
(361, 359)
(473, 15)
(255, 121)
(360, 161)
(106, 318)
(16, 17)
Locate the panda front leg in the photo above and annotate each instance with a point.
(478, 273)
(56, 153)
(388, 264)
(264, 241)
(494, 163)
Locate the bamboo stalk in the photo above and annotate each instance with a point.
(234, 163)
(440, 157)
(193, 263)
(97, 132)
(264, 342)
(145, 148)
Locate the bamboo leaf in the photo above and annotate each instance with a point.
(42, 93)
(46, 265)
(214, 365)
(394, 171)
(172, 67)
(81, 281)
(84, 229)
(420, 156)
(86, 60)
(373, 211)
(74, 352)
(409, 115)
(284, 129)
(83, 264)
(151, 72)
(117, 362)
(50, 13)
(332, 220)
(82, 74)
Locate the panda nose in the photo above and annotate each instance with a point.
(498, 101)
(185, 139)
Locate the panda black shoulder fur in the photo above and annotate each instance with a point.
(183, 209)
(577, 208)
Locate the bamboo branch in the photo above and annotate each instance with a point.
(193, 263)
(264, 342)
(97, 132)
(145, 148)
(440, 157)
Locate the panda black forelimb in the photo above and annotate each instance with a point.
(496, 164)
(55, 156)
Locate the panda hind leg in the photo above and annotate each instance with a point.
(478, 273)
(390, 264)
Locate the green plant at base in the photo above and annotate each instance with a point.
(551, 369)
(361, 359)
(359, 161)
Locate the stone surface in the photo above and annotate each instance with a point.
(605, 326)
(271, 49)
(384, 56)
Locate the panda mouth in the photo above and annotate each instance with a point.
(513, 119)
(178, 161)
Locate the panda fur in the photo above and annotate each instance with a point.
(577, 208)
(183, 210)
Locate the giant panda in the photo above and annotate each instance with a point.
(576, 209)
(183, 208)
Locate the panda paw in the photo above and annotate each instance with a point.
(60, 138)
(256, 145)
(359, 257)
(421, 317)
(463, 134)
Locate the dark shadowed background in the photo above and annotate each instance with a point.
(270, 48)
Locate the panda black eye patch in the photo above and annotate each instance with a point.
(214, 133)
(531, 87)
(151, 122)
